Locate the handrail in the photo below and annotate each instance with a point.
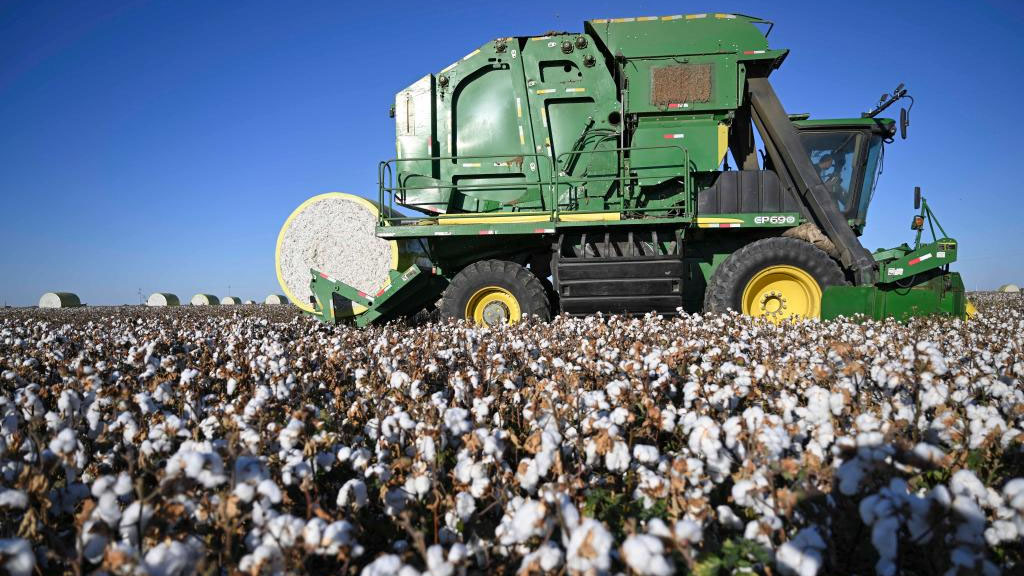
(384, 168)
(552, 182)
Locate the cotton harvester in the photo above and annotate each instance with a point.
(584, 172)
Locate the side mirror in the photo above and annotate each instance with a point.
(391, 112)
(917, 197)
(904, 122)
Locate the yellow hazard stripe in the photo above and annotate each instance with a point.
(459, 220)
(720, 16)
(593, 217)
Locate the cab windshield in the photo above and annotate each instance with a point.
(833, 155)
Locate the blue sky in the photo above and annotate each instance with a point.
(160, 145)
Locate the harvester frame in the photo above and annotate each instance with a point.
(575, 184)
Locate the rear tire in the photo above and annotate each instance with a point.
(774, 277)
(493, 292)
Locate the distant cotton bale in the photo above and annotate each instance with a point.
(247, 302)
(205, 300)
(1009, 288)
(275, 299)
(163, 299)
(59, 300)
(231, 301)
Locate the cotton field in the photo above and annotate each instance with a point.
(257, 441)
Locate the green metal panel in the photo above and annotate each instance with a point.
(943, 295)
(569, 108)
(924, 259)
(407, 292)
(692, 34)
(536, 123)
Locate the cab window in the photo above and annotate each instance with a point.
(833, 155)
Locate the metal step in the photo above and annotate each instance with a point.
(621, 272)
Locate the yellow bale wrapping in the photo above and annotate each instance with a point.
(335, 234)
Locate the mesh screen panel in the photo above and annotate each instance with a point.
(681, 83)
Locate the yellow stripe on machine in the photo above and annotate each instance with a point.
(592, 217)
(723, 141)
(456, 219)
(715, 222)
(459, 219)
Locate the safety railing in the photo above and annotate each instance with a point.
(386, 173)
(548, 183)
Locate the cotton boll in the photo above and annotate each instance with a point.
(437, 565)
(617, 459)
(688, 532)
(645, 555)
(457, 553)
(388, 565)
(803, 554)
(244, 492)
(64, 443)
(528, 521)
(589, 550)
(545, 560)
(174, 558)
(269, 490)
(728, 518)
(418, 486)
(352, 493)
(645, 453)
(465, 505)
(456, 421)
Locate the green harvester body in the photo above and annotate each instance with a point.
(600, 159)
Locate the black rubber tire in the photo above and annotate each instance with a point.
(725, 290)
(523, 284)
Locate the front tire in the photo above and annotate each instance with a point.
(493, 292)
(777, 278)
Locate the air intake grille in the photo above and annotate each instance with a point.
(681, 83)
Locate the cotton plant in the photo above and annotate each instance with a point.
(174, 441)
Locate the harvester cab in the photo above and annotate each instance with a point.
(588, 172)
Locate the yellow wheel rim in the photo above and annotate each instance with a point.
(780, 292)
(493, 305)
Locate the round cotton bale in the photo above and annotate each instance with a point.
(335, 234)
(1012, 288)
(231, 301)
(249, 302)
(275, 299)
(205, 300)
(59, 300)
(162, 299)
